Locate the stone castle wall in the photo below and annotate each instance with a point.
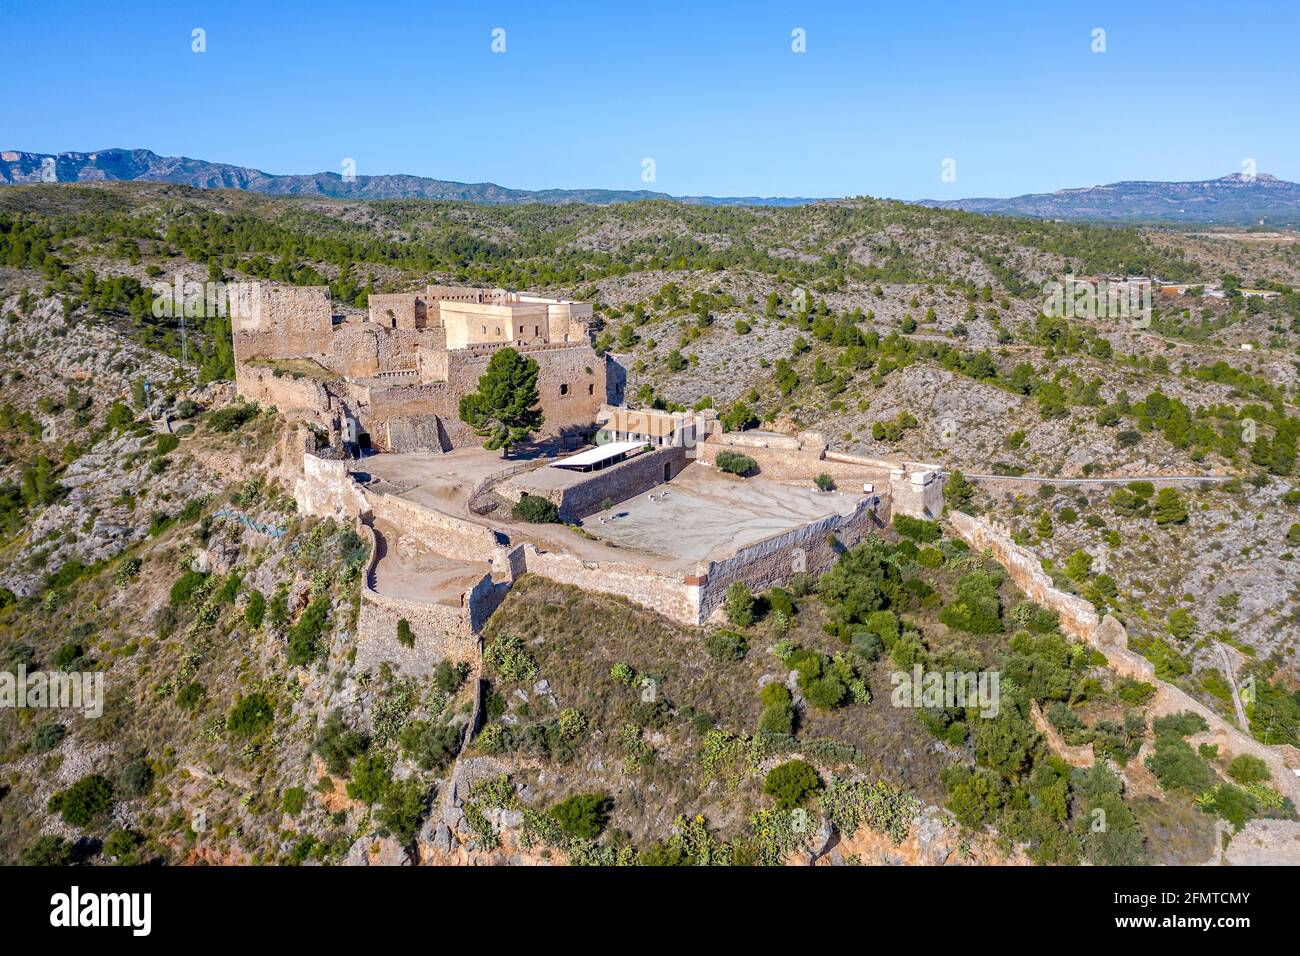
(440, 631)
(301, 396)
(1107, 635)
(617, 483)
(772, 562)
(280, 321)
(667, 593)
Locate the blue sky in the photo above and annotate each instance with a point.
(712, 92)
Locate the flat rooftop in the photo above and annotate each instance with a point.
(706, 515)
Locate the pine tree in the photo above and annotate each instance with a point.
(504, 409)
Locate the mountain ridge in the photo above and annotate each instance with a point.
(18, 167)
(1234, 200)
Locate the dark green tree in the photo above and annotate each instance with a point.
(504, 409)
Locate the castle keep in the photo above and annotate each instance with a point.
(394, 379)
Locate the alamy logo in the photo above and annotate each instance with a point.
(922, 688)
(1081, 298)
(53, 690)
(75, 908)
(209, 300)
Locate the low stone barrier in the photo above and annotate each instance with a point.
(1107, 635)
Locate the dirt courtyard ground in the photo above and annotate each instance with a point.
(704, 514)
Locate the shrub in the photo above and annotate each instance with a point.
(791, 783)
(232, 417)
(187, 586)
(250, 716)
(447, 677)
(780, 601)
(1169, 507)
(535, 510)
(188, 697)
(46, 737)
(337, 744)
(254, 610)
(295, 798)
(510, 660)
(305, 644)
(122, 847)
(166, 444)
(726, 645)
(738, 604)
(1178, 767)
(976, 608)
(404, 635)
(735, 463)
(431, 745)
(1247, 768)
(918, 529)
(1182, 724)
(137, 778)
(47, 851)
(623, 674)
(929, 558)
(84, 801)
(583, 815)
(825, 482)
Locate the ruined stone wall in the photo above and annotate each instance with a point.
(786, 464)
(325, 489)
(772, 562)
(440, 631)
(280, 321)
(453, 537)
(402, 310)
(303, 396)
(570, 383)
(1079, 619)
(617, 483)
(667, 593)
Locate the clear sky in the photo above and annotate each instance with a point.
(712, 92)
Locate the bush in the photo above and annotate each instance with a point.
(1178, 767)
(976, 608)
(337, 744)
(46, 737)
(254, 610)
(726, 645)
(825, 482)
(188, 697)
(137, 778)
(305, 637)
(122, 847)
(735, 463)
(47, 851)
(232, 417)
(295, 798)
(918, 529)
(791, 783)
(1247, 769)
(447, 677)
(404, 635)
(780, 602)
(535, 510)
(166, 444)
(509, 658)
(738, 604)
(250, 716)
(431, 745)
(186, 586)
(84, 801)
(583, 815)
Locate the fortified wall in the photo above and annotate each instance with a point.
(1107, 635)
(914, 488)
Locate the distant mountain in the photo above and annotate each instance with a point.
(147, 166)
(1236, 200)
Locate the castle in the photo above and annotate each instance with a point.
(393, 380)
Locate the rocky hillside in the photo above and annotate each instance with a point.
(146, 534)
